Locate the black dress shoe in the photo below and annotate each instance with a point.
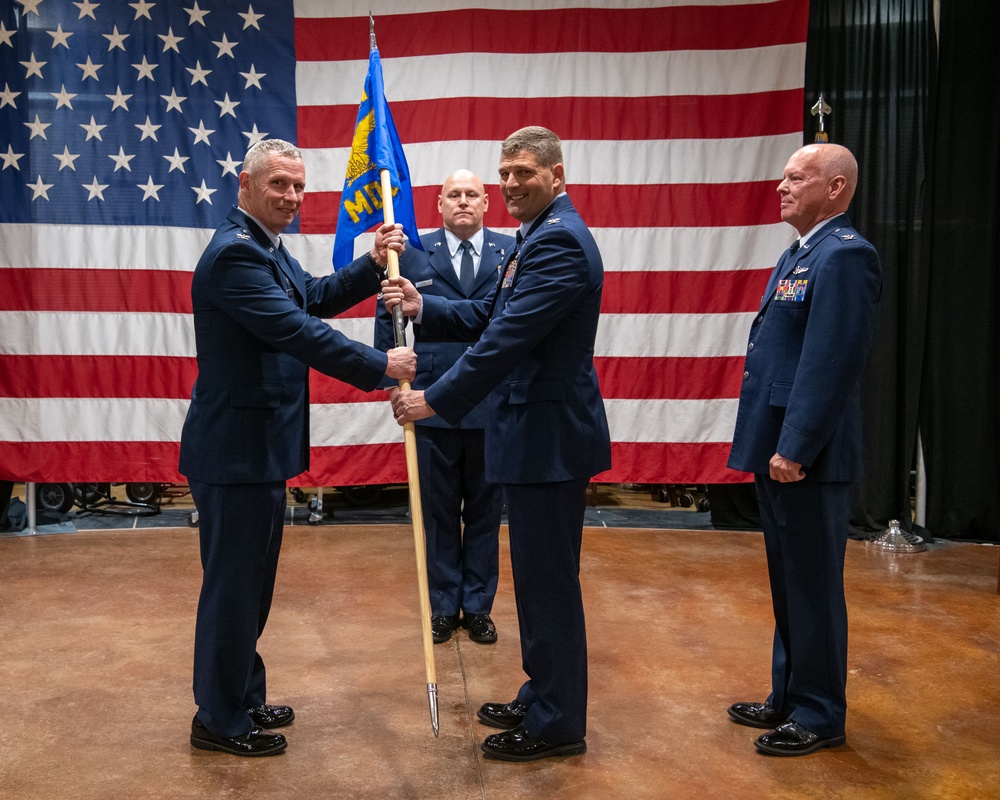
(257, 742)
(481, 628)
(791, 739)
(266, 716)
(756, 715)
(516, 745)
(442, 626)
(502, 715)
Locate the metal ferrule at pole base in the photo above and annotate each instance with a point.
(432, 698)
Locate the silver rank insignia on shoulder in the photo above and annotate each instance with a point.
(553, 220)
(848, 236)
(799, 270)
(243, 236)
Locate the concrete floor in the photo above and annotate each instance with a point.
(96, 633)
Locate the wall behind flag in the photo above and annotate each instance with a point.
(676, 121)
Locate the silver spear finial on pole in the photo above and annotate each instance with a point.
(820, 110)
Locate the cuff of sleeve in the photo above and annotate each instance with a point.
(380, 273)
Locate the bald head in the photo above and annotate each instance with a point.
(463, 202)
(819, 182)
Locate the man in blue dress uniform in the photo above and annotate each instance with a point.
(798, 430)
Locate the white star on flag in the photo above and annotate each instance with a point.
(170, 41)
(66, 159)
(250, 19)
(176, 161)
(197, 15)
(93, 130)
(116, 39)
(90, 69)
(174, 100)
(87, 9)
(38, 128)
(63, 98)
(227, 106)
(7, 97)
(95, 189)
(33, 67)
(59, 37)
(39, 189)
(148, 130)
(201, 133)
(121, 160)
(10, 158)
(119, 100)
(150, 189)
(253, 77)
(142, 9)
(203, 192)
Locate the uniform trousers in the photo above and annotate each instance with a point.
(545, 521)
(461, 520)
(806, 527)
(240, 528)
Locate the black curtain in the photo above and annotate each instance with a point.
(960, 399)
(873, 62)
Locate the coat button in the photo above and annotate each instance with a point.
(750, 347)
(746, 376)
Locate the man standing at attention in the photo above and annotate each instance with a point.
(547, 433)
(257, 331)
(458, 261)
(798, 429)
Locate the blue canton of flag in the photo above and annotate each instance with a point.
(117, 113)
(376, 146)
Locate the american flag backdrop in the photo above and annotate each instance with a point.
(122, 130)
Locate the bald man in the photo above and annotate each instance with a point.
(798, 430)
(461, 508)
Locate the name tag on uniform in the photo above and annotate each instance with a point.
(422, 284)
(792, 291)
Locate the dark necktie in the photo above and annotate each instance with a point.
(793, 247)
(518, 238)
(467, 274)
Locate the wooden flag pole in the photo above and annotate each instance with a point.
(413, 474)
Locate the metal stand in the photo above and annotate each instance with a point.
(895, 540)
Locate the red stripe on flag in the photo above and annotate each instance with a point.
(669, 378)
(647, 206)
(622, 378)
(564, 30)
(588, 118)
(90, 462)
(324, 389)
(366, 308)
(355, 465)
(714, 292)
(670, 462)
(96, 376)
(50, 289)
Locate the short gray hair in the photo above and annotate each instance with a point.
(258, 154)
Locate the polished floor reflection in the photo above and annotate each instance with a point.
(96, 647)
